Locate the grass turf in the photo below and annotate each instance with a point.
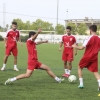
(40, 86)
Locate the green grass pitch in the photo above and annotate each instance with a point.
(40, 86)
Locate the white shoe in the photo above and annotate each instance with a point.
(2, 69)
(61, 80)
(8, 81)
(16, 69)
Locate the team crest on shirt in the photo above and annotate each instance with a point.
(70, 39)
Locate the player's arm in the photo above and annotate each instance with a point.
(19, 40)
(35, 36)
(40, 42)
(75, 50)
(78, 47)
(5, 41)
(61, 44)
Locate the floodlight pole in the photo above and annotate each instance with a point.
(57, 11)
(56, 20)
(4, 9)
(67, 17)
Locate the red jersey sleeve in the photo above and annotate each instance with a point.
(7, 34)
(19, 34)
(74, 40)
(62, 39)
(99, 44)
(30, 41)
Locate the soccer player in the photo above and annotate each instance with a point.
(13, 35)
(33, 62)
(68, 53)
(90, 57)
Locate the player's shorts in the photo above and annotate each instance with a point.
(14, 51)
(90, 65)
(67, 57)
(34, 64)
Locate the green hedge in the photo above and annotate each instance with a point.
(24, 38)
(1, 38)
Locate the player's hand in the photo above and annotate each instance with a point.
(75, 53)
(21, 44)
(39, 30)
(59, 49)
(74, 45)
(5, 45)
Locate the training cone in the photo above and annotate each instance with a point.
(99, 95)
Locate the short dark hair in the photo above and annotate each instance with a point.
(93, 28)
(15, 23)
(69, 27)
(31, 33)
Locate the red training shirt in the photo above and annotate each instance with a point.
(12, 38)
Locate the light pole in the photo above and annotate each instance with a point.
(67, 17)
(56, 21)
(4, 8)
(57, 11)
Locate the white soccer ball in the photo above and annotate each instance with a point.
(72, 78)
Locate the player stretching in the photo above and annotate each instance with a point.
(68, 40)
(33, 62)
(13, 35)
(90, 57)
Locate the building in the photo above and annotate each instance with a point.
(86, 20)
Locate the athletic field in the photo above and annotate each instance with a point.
(40, 86)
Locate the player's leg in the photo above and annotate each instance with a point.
(70, 59)
(15, 63)
(4, 63)
(15, 53)
(97, 75)
(7, 53)
(48, 70)
(65, 67)
(80, 75)
(82, 64)
(21, 76)
(69, 67)
(64, 58)
(94, 68)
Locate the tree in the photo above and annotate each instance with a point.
(81, 29)
(74, 28)
(7, 26)
(1, 38)
(20, 24)
(1, 29)
(98, 32)
(60, 29)
(46, 26)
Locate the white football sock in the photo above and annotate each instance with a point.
(13, 79)
(81, 81)
(15, 66)
(66, 71)
(4, 65)
(99, 82)
(57, 79)
(69, 72)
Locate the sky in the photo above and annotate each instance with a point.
(47, 10)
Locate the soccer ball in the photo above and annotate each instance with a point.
(72, 78)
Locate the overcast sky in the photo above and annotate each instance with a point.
(48, 10)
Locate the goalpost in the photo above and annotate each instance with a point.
(45, 35)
